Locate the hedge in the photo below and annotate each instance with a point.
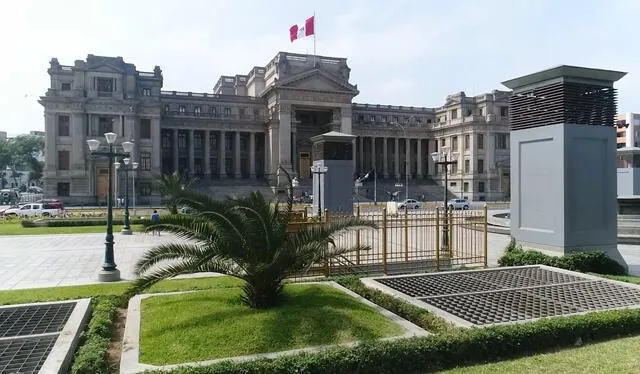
(410, 312)
(83, 222)
(441, 351)
(585, 262)
(91, 357)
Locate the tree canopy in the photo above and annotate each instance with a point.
(21, 154)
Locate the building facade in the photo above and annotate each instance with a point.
(251, 124)
(628, 130)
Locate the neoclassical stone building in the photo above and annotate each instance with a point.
(249, 124)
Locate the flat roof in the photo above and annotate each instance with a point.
(565, 71)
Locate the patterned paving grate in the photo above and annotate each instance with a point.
(513, 294)
(34, 319)
(25, 355)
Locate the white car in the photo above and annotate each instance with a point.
(457, 204)
(33, 209)
(409, 204)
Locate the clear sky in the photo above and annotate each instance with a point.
(411, 53)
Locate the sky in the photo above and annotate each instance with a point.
(411, 53)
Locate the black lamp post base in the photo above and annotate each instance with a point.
(109, 275)
(126, 231)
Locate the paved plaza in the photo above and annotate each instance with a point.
(30, 261)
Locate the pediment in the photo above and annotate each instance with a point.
(105, 68)
(317, 80)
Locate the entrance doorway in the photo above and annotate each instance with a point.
(310, 122)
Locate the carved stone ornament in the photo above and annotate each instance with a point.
(285, 108)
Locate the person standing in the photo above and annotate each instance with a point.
(155, 219)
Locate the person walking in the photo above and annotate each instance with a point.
(155, 218)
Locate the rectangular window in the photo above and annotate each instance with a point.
(481, 111)
(146, 92)
(454, 143)
(360, 117)
(395, 118)
(63, 160)
(197, 140)
(480, 186)
(182, 140)
(105, 125)
(66, 87)
(443, 142)
(145, 189)
(243, 144)
(196, 110)
(504, 111)
(213, 141)
(502, 141)
(241, 113)
(64, 188)
(467, 141)
(480, 141)
(166, 139)
(454, 114)
(465, 187)
(256, 114)
(182, 109)
(227, 112)
(467, 164)
(63, 125)
(454, 168)
(480, 167)
(166, 108)
(145, 128)
(145, 161)
(105, 86)
(228, 142)
(213, 111)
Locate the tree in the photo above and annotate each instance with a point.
(21, 153)
(171, 185)
(247, 238)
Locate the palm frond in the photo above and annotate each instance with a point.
(169, 251)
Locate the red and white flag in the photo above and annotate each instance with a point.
(307, 29)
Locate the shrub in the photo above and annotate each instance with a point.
(84, 222)
(412, 313)
(442, 351)
(586, 262)
(91, 357)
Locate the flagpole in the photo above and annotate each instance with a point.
(315, 63)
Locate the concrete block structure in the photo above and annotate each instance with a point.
(250, 124)
(563, 151)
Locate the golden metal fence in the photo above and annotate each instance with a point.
(409, 241)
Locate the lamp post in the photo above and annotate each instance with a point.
(126, 230)
(441, 159)
(117, 166)
(135, 167)
(319, 170)
(110, 272)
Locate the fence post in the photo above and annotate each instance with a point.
(450, 233)
(327, 262)
(406, 234)
(438, 238)
(358, 237)
(485, 238)
(384, 241)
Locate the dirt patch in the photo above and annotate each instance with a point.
(115, 347)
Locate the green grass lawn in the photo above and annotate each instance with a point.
(215, 324)
(616, 356)
(17, 229)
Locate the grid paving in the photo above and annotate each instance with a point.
(34, 319)
(25, 355)
(514, 294)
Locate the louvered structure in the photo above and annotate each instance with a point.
(563, 95)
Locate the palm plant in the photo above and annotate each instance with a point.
(171, 185)
(247, 238)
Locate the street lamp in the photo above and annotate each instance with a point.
(117, 166)
(126, 230)
(319, 170)
(135, 167)
(440, 158)
(109, 272)
(406, 164)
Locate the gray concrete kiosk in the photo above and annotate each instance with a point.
(333, 172)
(563, 152)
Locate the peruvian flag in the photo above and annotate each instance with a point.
(297, 32)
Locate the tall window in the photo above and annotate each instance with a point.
(467, 140)
(480, 166)
(65, 87)
(63, 125)
(182, 140)
(166, 108)
(213, 111)
(504, 111)
(465, 187)
(105, 86)
(145, 189)
(63, 160)
(454, 114)
(196, 110)
(197, 140)
(480, 186)
(145, 128)
(454, 143)
(166, 139)
(480, 141)
(146, 92)
(64, 189)
(467, 164)
(443, 142)
(145, 161)
(502, 141)
(241, 112)
(105, 125)
(182, 109)
(227, 112)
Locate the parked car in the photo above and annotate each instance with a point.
(408, 204)
(35, 209)
(457, 204)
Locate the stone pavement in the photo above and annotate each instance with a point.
(31, 261)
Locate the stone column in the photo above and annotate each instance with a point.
(252, 155)
(50, 151)
(419, 172)
(76, 130)
(156, 144)
(345, 119)
(361, 151)
(207, 154)
(407, 161)
(431, 147)
(396, 163)
(191, 145)
(175, 151)
(373, 152)
(221, 157)
(237, 157)
(385, 158)
(284, 136)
